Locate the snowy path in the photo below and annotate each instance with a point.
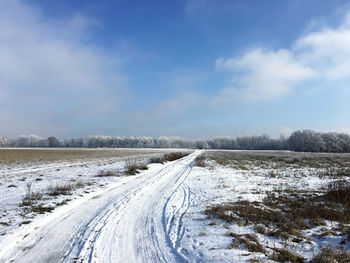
(138, 221)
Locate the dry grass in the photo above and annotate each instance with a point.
(261, 229)
(315, 208)
(246, 212)
(156, 160)
(175, 156)
(168, 157)
(281, 159)
(41, 209)
(132, 166)
(31, 202)
(338, 192)
(107, 173)
(255, 260)
(42, 155)
(249, 241)
(30, 197)
(200, 161)
(34, 201)
(285, 215)
(331, 255)
(63, 188)
(285, 255)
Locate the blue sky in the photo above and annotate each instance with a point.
(190, 68)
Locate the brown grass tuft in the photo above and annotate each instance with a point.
(200, 161)
(104, 173)
(132, 166)
(330, 255)
(250, 242)
(285, 255)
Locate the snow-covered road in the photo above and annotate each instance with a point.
(137, 221)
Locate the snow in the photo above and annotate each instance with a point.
(87, 228)
(13, 184)
(156, 216)
(208, 240)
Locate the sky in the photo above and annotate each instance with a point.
(189, 68)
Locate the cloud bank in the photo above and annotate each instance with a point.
(259, 74)
(265, 75)
(50, 78)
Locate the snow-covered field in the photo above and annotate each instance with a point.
(42, 171)
(238, 213)
(231, 206)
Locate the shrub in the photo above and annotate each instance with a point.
(168, 157)
(200, 161)
(156, 160)
(30, 198)
(60, 189)
(174, 156)
(132, 166)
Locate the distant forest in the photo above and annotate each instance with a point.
(301, 141)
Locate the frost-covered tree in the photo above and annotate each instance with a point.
(305, 140)
(202, 144)
(301, 141)
(52, 141)
(226, 142)
(344, 140)
(29, 141)
(311, 141)
(5, 142)
(332, 142)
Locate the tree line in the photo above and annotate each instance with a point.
(303, 141)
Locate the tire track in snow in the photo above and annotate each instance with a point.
(139, 221)
(172, 220)
(83, 247)
(150, 227)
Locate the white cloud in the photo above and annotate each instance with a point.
(47, 67)
(327, 51)
(264, 75)
(322, 55)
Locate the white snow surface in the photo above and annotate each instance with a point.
(156, 216)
